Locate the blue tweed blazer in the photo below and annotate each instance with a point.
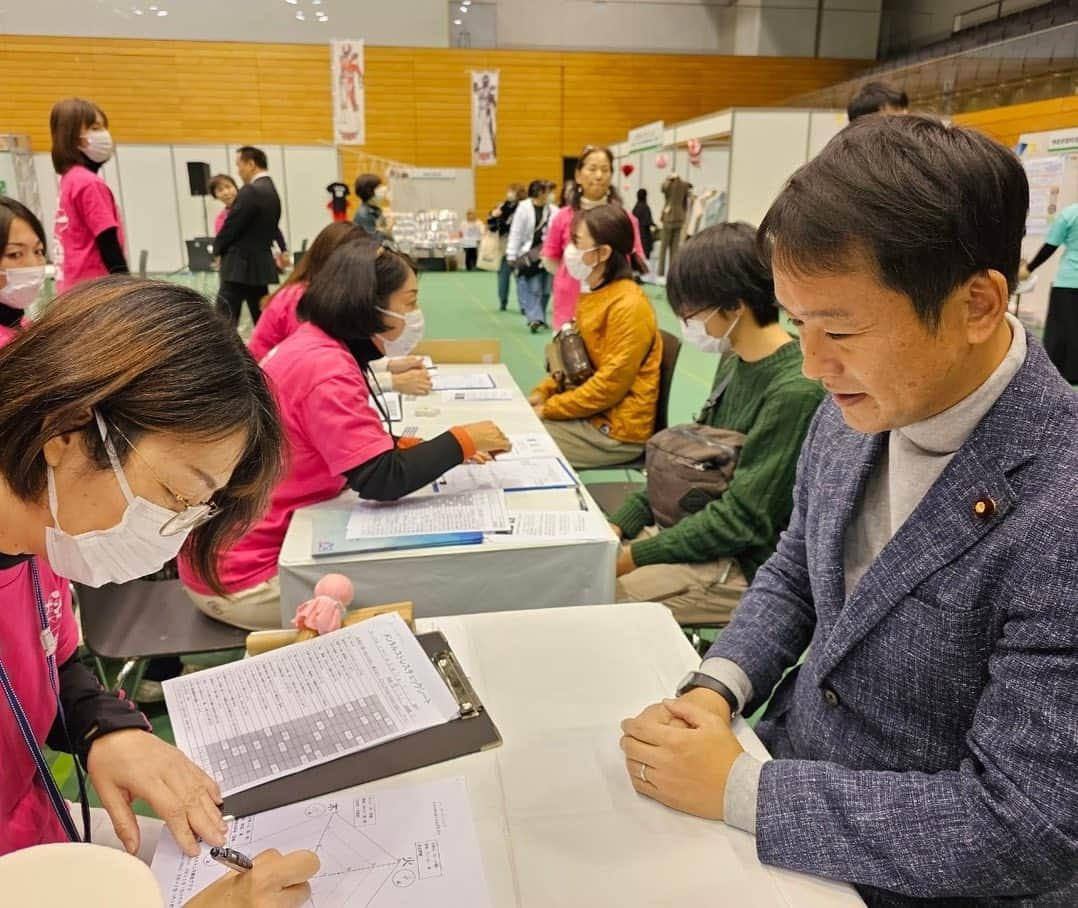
(928, 746)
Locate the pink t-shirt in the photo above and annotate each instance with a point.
(219, 221)
(278, 321)
(566, 287)
(26, 815)
(330, 427)
(6, 334)
(86, 209)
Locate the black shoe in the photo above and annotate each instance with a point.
(504, 308)
(535, 326)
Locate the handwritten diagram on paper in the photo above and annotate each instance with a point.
(392, 848)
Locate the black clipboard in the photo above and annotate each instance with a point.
(474, 731)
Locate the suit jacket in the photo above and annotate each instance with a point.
(248, 233)
(928, 745)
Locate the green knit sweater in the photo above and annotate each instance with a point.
(772, 404)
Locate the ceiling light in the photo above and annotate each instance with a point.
(300, 16)
(293, 2)
(162, 12)
(464, 9)
(457, 22)
(137, 12)
(316, 2)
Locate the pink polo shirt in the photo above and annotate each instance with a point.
(26, 816)
(566, 287)
(330, 428)
(6, 334)
(278, 321)
(85, 209)
(219, 221)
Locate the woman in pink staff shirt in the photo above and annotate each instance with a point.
(594, 187)
(22, 264)
(363, 305)
(132, 422)
(89, 234)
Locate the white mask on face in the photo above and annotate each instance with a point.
(574, 262)
(22, 287)
(695, 333)
(98, 146)
(131, 549)
(412, 334)
(381, 194)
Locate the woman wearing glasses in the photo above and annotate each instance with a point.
(363, 305)
(132, 423)
(593, 188)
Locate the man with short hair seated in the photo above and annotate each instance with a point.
(926, 748)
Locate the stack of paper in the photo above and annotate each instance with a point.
(480, 511)
(520, 475)
(462, 382)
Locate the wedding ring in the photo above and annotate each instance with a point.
(643, 772)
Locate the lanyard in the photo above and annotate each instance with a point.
(48, 643)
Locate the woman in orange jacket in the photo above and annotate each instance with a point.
(606, 420)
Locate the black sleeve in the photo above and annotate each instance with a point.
(240, 215)
(108, 244)
(1042, 256)
(396, 473)
(89, 710)
(281, 244)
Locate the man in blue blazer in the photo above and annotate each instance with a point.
(927, 746)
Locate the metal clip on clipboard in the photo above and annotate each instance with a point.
(459, 685)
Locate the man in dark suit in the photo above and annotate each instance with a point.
(245, 241)
(926, 748)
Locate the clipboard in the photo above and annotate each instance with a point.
(472, 732)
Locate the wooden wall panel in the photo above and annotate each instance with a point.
(418, 100)
(1006, 124)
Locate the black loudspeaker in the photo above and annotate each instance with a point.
(198, 175)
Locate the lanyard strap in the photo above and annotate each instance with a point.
(48, 643)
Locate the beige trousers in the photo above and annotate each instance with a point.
(102, 833)
(697, 594)
(256, 609)
(585, 447)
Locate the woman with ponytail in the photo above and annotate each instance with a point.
(593, 188)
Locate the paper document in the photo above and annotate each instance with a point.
(391, 403)
(409, 847)
(248, 722)
(484, 394)
(473, 512)
(546, 525)
(462, 382)
(510, 475)
(537, 444)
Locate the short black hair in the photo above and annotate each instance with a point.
(219, 182)
(12, 209)
(343, 299)
(254, 155)
(874, 97)
(366, 183)
(719, 268)
(537, 188)
(926, 204)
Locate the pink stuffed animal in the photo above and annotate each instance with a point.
(322, 614)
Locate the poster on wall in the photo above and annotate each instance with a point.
(346, 59)
(485, 118)
(1045, 175)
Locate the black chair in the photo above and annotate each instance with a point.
(610, 495)
(142, 620)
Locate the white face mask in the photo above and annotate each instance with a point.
(695, 333)
(22, 287)
(381, 194)
(131, 549)
(412, 334)
(98, 146)
(552, 198)
(574, 262)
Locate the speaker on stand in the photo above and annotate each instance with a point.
(200, 249)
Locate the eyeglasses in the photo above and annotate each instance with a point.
(192, 515)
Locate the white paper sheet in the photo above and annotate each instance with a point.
(277, 714)
(511, 475)
(462, 382)
(561, 525)
(480, 511)
(391, 400)
(408, 847)
(537, 444)
(473, 395)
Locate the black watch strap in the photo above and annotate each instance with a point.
(699, 679)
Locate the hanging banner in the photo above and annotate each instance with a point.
(485, 118)
(346, 59)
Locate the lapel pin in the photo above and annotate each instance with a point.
(984, 508)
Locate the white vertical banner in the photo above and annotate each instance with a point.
(346, 60)
(485, 118)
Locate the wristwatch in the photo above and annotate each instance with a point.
(699, 679)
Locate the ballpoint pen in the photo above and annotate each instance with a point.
(232, 859)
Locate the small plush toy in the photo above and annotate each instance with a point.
(322, 614)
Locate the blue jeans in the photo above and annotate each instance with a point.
(504, 272)
(530, 294)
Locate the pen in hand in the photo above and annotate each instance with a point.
(232, 859)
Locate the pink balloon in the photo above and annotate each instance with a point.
(336, 586)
